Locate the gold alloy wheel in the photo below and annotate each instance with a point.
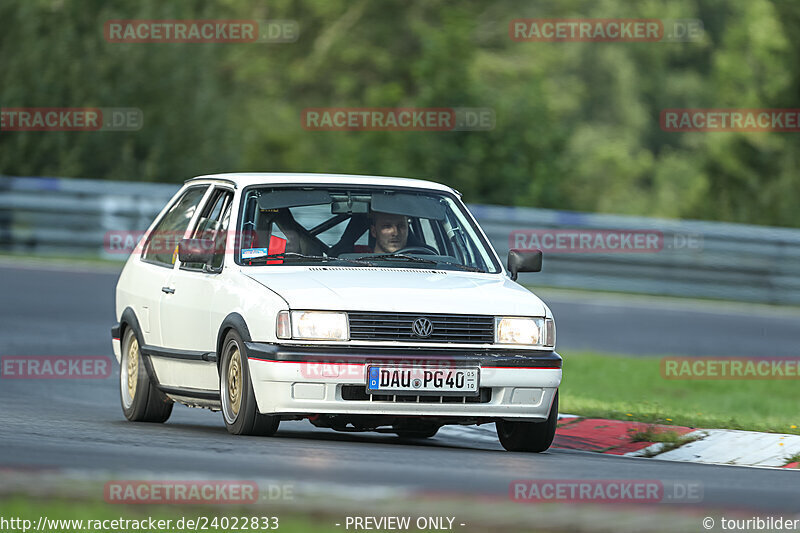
(235, 381)
(133, 367)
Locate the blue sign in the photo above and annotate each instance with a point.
(373, 377)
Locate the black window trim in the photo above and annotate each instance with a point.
(195, 220)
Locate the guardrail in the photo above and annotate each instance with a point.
(697, 259)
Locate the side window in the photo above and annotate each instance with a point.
(162, 244)
(463, 243)
(430, 234)
(222, 236)
(210, 220)
(213, 225)
(427, 231)
(363, 241)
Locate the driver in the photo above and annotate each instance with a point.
(390, 232)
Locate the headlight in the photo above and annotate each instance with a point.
(528, 331)
(313, 325)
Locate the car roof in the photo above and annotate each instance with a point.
(245, 179)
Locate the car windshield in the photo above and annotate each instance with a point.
(359, 227)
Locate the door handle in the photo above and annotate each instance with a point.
(168, 290)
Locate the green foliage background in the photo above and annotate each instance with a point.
(577, 123)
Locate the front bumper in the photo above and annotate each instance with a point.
(298, 380)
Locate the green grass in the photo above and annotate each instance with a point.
(669, 440)
(631, 388)
(77, 259)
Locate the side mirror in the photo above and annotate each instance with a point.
(524, 262)
(196, 251)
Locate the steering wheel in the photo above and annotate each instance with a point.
(423, 249)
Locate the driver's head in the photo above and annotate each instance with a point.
(390, 232)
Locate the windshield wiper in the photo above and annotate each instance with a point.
(413, 259)
(404, 257)
(304, 257)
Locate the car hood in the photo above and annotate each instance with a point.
(399, 290)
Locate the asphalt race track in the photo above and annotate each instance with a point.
(79, 424)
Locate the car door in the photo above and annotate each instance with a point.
(153, 269)
(186, 330)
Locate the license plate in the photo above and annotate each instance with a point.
(420, 380)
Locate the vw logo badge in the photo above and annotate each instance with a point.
(422, 327)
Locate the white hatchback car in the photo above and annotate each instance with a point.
(359, 303)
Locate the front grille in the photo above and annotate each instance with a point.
(358, 393)
(476, 329)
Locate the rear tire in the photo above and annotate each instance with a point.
(529, 436)
(141, 400)
(239, 409)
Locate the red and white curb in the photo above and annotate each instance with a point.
(713, 446)
(616, 437)
(732, 447)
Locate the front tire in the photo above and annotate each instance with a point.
(529, 436)
(238, 400)
(141, 400)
